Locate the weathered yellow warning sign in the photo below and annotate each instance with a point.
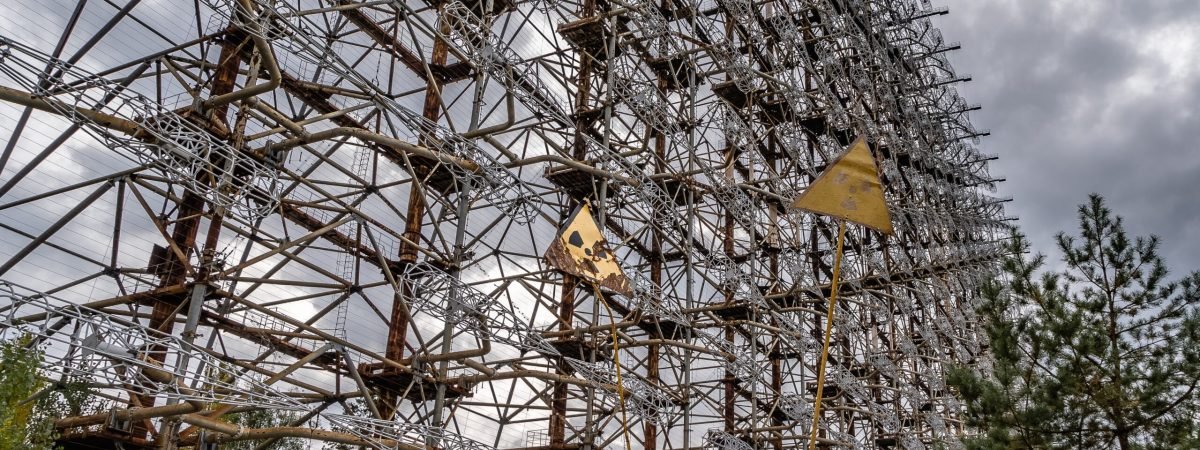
(850, 189)
(581, 250)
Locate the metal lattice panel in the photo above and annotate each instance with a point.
(339, 208)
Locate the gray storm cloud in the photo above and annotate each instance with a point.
(1089, 96)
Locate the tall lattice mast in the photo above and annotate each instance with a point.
(338, 209)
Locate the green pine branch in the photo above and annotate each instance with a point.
(1100, 354)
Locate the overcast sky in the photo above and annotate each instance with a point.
(1089, 96)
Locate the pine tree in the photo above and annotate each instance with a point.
(1101, 354)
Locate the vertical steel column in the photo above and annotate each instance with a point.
(399, 320)
(730, 381)
(190, 213)
(656, 276)
(566, 307)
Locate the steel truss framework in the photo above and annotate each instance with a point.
(338, 208)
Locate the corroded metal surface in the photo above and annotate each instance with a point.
(349, 210)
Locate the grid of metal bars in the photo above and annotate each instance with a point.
(338, 208)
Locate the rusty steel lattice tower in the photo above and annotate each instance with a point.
(337, 209)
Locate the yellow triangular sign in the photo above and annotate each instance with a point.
(581, 250)
(850, 189)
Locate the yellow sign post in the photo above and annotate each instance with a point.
(850, 190)
(580, 249)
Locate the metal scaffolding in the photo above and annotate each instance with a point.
(338, 209)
